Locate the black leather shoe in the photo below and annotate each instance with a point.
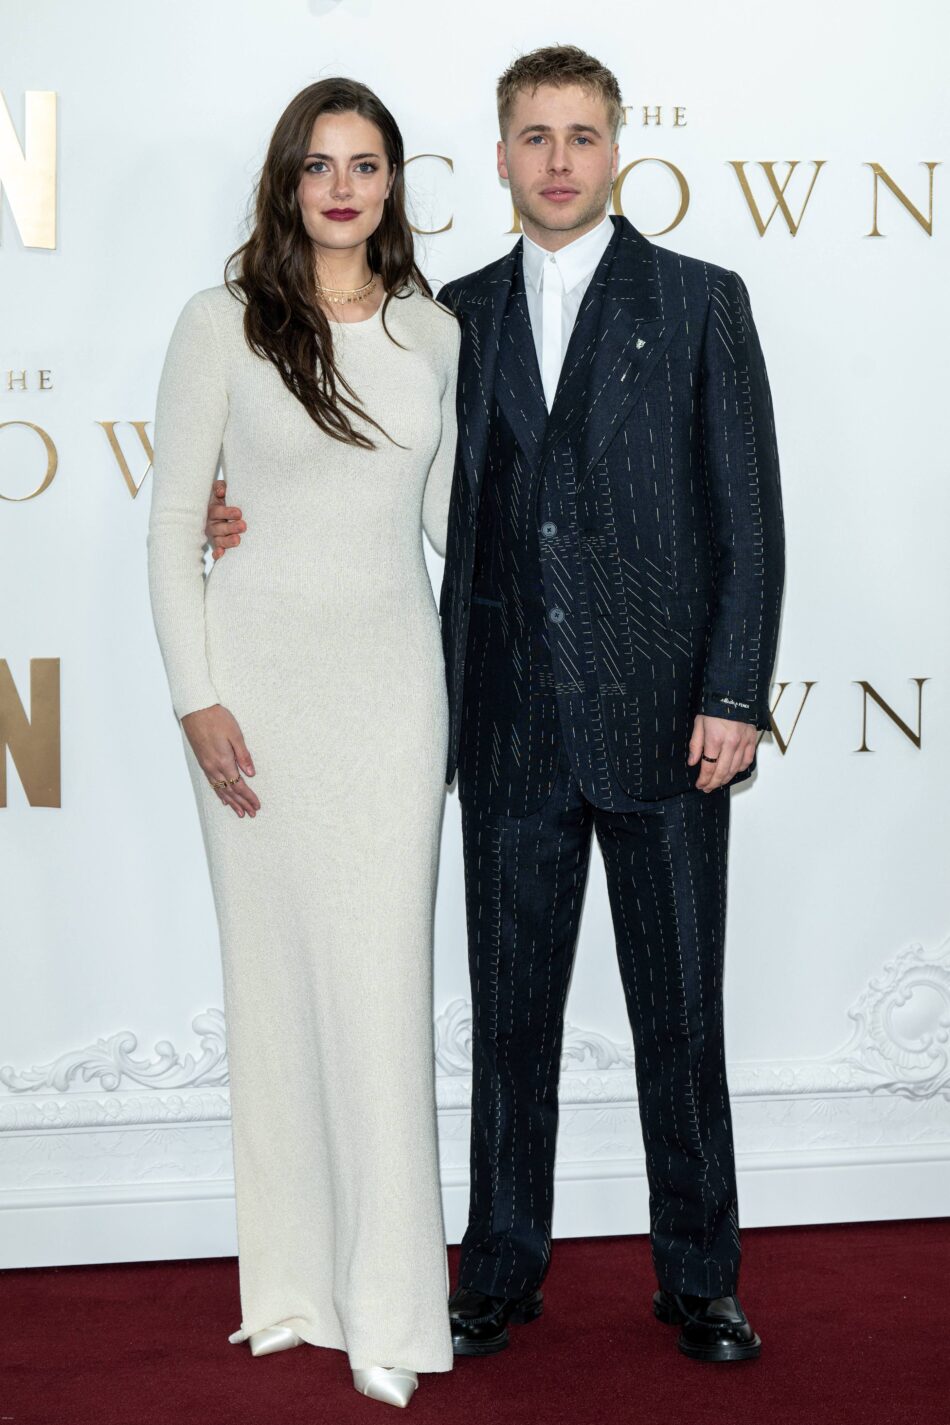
(480, 1322)
(714, 1328)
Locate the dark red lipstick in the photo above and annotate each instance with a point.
(341, 215)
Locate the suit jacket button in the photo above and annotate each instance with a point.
(556, 615)
(549, 529)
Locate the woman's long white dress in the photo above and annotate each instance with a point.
(319, 632)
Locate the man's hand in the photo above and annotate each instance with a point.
(224, 522)
(726, 748)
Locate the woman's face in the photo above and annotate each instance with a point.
(344, 182)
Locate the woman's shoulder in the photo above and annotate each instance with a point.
(219, 305)
(212, 310)
(209, 328)
(429, 319)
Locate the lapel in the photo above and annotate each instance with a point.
(518, 386)
(618, 337)
(481, 308)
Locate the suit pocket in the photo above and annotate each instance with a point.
(486, 603)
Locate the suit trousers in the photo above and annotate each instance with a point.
(524, 886)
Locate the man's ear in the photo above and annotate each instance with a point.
(502, 159)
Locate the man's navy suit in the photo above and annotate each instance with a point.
(613, 569)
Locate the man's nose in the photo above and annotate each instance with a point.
(560, 158)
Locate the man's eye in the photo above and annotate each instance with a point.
(536, 139)
(582, 138)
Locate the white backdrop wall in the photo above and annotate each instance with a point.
(113, 1102)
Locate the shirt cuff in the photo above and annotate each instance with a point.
(735, 709)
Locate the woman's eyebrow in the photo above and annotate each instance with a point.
(329, 157)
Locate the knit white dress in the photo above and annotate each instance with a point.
(319, 632)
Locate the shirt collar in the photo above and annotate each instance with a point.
(575, 262)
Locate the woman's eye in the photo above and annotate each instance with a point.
(315, 167)
(366, 167)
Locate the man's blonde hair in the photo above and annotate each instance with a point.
(559, 65)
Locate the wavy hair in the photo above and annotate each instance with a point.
(274, 271)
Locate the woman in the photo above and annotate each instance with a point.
(308, 678)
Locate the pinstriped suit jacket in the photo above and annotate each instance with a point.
(661, 459)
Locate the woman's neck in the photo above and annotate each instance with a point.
(342, 269)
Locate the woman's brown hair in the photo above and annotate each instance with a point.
(274, 270)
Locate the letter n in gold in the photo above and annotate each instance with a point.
(28, 174)
(34, 741)
(908, 732)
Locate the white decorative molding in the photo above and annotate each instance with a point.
(110, 1061)
(903, 1048)
(900, 1046)
(142, 1110)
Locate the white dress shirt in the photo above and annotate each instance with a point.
(555, 283)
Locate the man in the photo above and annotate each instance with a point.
(610, 612)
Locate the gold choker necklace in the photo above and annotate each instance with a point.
(339, 295)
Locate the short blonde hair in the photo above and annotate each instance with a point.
(559, 65)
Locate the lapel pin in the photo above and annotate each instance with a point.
(640, 342)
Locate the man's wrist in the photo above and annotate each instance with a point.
(733, 709)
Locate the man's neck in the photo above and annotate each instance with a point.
(554, 239)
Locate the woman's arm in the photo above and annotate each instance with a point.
(435, 502)
(190, 416)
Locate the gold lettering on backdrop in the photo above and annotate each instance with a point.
(881, 175)
(515, 220)
(28, 174)
(19, 380)
(428, 232)
(653, 114)
(52, 460)
(785, 743)
(34, 741)
(680, 178)
(778, 191)
(870, 692)
(117, 451)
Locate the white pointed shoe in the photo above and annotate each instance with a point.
(272, 1338)
(393, 1384)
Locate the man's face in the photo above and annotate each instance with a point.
(560, 162)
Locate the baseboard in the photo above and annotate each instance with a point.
(192, 1220)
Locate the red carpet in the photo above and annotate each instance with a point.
(855, 1322)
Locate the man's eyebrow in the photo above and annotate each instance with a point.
(547, 129)
(328, 158)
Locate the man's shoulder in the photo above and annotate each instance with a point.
(475, 285)
(694, 276)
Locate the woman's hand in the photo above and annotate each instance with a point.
(217, 743)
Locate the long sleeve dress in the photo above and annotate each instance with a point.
(319, 632)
